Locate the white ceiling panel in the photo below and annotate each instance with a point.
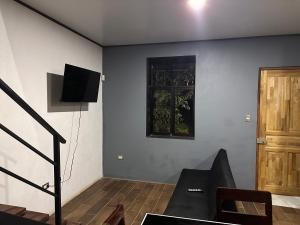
(123, 22)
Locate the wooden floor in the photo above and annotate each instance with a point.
(95, 204)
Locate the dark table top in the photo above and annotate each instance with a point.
(157, 219)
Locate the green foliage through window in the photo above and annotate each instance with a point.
(161, 112)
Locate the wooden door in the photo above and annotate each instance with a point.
(278, 148)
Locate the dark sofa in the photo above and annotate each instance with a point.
(202, 205)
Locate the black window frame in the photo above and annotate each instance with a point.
(172, 88)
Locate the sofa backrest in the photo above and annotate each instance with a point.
(221, 176)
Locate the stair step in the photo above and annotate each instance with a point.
(36, 216)
(13, 210)
(3, 208)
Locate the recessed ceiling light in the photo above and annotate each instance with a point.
(196, 4)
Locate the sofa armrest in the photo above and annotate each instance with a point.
(116, 217)
(225, 194)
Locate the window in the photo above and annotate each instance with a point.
(171, 97)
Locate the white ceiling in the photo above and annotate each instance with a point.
(122, 22)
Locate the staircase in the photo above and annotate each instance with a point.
(13, 215)
(30, 215)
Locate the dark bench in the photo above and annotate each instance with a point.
(202, 205)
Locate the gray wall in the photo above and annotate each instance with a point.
(226, 90)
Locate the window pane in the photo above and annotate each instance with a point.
(161, 78)
(161, 112)
(173, 77)
(184, 112)
(184, 77)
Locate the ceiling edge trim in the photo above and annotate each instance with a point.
(204, 40)
(57, 22)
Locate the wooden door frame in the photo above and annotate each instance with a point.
(258, 110)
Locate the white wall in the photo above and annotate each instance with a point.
(30, 47)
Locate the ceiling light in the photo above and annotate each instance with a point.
(196, 4)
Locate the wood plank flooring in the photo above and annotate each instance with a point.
(95, 204)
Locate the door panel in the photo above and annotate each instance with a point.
(294, 170)
(295, 105)
(278, 97)
(278, 164)
(275, 168)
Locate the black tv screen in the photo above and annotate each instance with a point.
(80, 85)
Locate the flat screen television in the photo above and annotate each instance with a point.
(80, 85)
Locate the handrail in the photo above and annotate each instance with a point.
(26, 181)
(57, 139)
(30, 110)
(12, 134)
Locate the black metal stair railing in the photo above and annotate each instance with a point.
(57, 139)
